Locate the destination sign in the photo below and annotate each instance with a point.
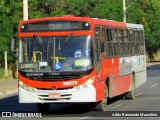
(55, 26)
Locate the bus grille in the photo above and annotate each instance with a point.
(53, 78)
(52, 89)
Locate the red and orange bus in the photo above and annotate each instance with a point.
(72, 59)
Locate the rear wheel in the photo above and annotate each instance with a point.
(131, 94)
(43, 108)
(102, 105)
(123, 96)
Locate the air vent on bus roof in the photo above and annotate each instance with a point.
(68, 16)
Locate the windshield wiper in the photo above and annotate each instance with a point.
(40, 41)
(67, 41)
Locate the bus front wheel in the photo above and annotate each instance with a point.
(43, 108)
(102, 105)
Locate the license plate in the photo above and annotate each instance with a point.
(54, 95)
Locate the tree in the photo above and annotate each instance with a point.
(10, 15)
(107, 9)
(48, 8)
(147, 13)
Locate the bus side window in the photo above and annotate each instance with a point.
(120, 40)
(115, 42)
(136, 42)
(132, 38)
(129, 43)
(126, 43)
(142, 43)
(104, 37)
(107, 43)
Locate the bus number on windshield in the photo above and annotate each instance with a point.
(82, 62)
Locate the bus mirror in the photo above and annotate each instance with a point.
(12, 46)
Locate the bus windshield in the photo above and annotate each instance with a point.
(61, 54)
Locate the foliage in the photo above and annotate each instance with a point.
(3, 76)
(10, 15)
(146, 12)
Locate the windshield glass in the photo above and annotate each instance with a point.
(55, 54)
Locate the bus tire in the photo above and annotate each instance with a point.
(131, 94)
(43, 108)
(102, 105)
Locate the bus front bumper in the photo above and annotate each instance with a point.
(87, 94)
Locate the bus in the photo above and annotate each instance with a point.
(71, 59)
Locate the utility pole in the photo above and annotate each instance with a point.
(125, 8)
(25, 17)
(25, 9)
(6, 66)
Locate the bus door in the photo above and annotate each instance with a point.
(98, 61)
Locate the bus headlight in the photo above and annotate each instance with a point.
(90, 81)
(77, 88)
(25, 87)
(86, 84)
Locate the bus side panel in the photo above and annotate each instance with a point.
(115, 67)
(107, 67)
(120, 85)
(110, 67)
(100, 87)
(120, 79)
(121, 76)
(139, 68)
(140, 78)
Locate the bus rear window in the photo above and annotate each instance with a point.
(55, 26)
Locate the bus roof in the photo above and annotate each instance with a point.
(95, 21)
(135, 26)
